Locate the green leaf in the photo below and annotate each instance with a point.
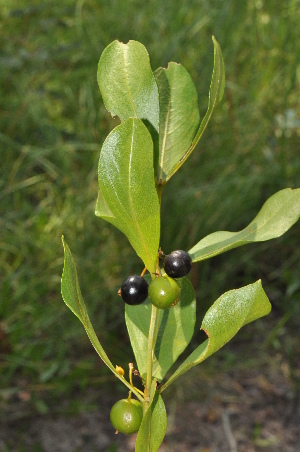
(71, 294)
(72, 297)
(277, 215)
(223, 320)
(103, 211)
(153, 427)
(179, 116)
(127, 185)
(127, 83)
(216, 92)
(175, 328)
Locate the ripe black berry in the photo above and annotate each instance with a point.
(134, 290)
(178, 264)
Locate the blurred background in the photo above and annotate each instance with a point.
(52, 125)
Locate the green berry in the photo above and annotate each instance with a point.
(164, 292)
(126, 416)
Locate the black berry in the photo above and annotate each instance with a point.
(134, 290)
(178, 264)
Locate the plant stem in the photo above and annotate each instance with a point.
(159, 189)
(152, 336)
(131, 388)
(150, 353)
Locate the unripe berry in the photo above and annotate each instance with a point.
(164, 292)
(126, 416)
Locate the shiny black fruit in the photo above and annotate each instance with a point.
(178, 264)
(134, 290)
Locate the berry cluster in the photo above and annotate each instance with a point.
(164, 291)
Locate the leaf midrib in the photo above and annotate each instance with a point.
(124, 51)
(161, 160)
(130, 197)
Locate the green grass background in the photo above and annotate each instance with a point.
(52, 126)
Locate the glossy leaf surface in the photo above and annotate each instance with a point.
(216, 92)
(154, 425)
(178, 116)
(277, 215)
(223, 320)
(126, 181)
(103, 211)
(174, 330)
(127, 83)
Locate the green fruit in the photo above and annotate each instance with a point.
(164, 292)
(126, 416)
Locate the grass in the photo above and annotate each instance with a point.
(53, 123)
